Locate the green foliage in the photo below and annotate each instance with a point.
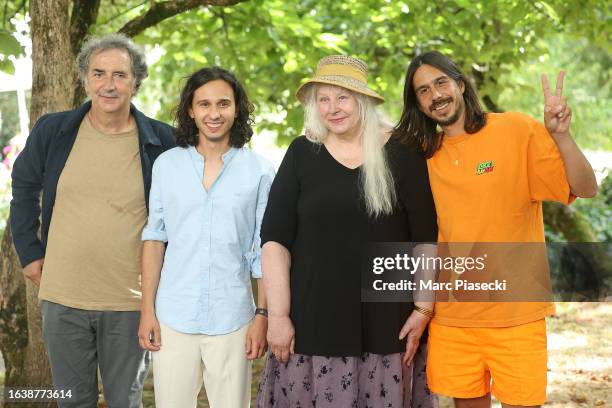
(587, 86)
(273, 45)
(9, 46)
(599, 210)
(9, 117)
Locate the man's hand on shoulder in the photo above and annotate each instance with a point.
(33, 271)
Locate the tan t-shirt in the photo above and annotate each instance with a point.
(93, 252)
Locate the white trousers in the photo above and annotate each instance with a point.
(185, 360)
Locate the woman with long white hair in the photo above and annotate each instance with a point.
(343, 185)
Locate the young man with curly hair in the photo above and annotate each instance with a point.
(202, 245)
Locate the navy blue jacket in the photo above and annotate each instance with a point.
(39, 166)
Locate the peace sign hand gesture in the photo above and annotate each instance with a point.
(557, 115)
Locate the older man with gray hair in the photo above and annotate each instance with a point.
(93, 167)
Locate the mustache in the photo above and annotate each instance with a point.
(439, 102)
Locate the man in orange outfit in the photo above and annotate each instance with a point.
(489, 174)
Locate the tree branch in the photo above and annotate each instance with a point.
(122, 12)
(84, 15)
(5, 14)
(163, 10)
(22, 7)
(4, 18)
(230, 44)
(568, 221)
(481, 75)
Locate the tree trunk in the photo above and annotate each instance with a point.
(84, 14)
(52, 58)
(569, 222)
(13, 314)
(52, 91)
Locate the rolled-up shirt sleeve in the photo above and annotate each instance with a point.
(262, 201)
(155, 230)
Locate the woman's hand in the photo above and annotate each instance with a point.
(281, 337)
(413, 328)
(255, 344)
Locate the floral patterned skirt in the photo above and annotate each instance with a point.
(372, 380)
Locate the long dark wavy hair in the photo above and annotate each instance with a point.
(417, 129)
(187, 131)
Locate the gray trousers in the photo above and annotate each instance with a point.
(79, 341)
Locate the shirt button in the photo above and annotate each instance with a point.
(456, 162)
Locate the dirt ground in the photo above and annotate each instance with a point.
(580, 355)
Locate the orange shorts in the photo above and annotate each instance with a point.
(469, 362)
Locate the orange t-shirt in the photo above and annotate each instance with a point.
(489, 187)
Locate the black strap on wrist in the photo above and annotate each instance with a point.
(261, 311)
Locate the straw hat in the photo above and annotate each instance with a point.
(344, 71)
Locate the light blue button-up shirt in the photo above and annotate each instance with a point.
(213, 238)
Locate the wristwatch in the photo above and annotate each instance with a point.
(261, 311)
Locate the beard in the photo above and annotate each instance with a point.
(451, 119)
